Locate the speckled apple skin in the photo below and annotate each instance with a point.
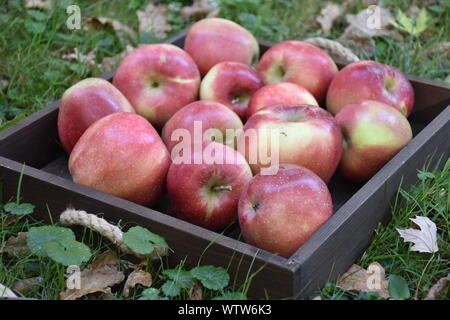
(189, 187)
(315, 142)
(365, 80)
(212, 115)
(83, 104)
(122, 154)
(304, 64)
(279, 213)
(228, 79)
(374, 132)
(213, 40)
(174, 71)
(279, 93)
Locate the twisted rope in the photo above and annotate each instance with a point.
(334, 47)
(107, 230)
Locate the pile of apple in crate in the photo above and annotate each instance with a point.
(231, 136)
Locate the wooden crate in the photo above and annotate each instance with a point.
(328, 253)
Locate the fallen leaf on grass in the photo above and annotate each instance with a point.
(137, 277)
(424, 239)
(371, 280)
(154, 20)
(110, 63)
(88, 59)
(200, 9)
(6, 292)
(195, 292)
(328, 14)
(100, 276)
(26, 285)
(16, 246)
(122, 31)
(437, 289)
(368, 23)
(38, 4)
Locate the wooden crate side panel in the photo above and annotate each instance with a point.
(33, 140)
(343, 239)
(52, 195)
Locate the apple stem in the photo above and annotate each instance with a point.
(222, 188)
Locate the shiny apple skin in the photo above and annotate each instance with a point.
(211, 115)
(213, 40)
(374, 132)
(279, 213)
(232, 84)
(122, 155)
(308, 136)
(158, 80)
(84, 103)
(370, 80)
(191, 187)
(279, 93)
(300, 63)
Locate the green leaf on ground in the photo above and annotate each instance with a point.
(152, 294)
(19, 208)
(398, 287)
(171, 288)
(211, 277)
(37, 237)
(142, 241)
(68, 252)
(181, 277)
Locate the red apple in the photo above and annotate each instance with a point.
(370, 80)
(279, 93)
(202, 120)
(232, 84)
(123, 155)
(205, 189)
(158, 80)
(303, 135)
(279, 213)
(83, 104)
(213, 40)
(300, 63)
(373, 133)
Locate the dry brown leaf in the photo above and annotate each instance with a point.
(359, 279)
(137, 277)
(317, 298)
(6, 292)
(328, 14)
(16, 246)
(195, 292)
(38, 4)
(436, 289)
(26, 285)
(110, 62)
(100, 276)
(121, 30)
(88, 59)
(365, 23)
(199, 9)
(154, 20)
